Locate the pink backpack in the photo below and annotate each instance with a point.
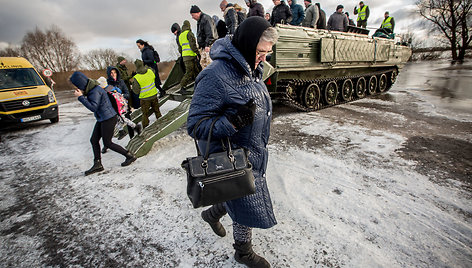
(119, 103)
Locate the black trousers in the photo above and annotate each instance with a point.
(104, 130)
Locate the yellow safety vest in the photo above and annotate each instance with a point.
(146, 82)
(184, 43)
(361, 13)
(386, 23)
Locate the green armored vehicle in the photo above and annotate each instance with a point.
(312, 69)
(309, 69)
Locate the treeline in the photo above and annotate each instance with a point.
(52, 49)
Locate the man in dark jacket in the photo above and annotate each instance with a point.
(280, 13)
(94, 98)
(175, 29)
(321, 24)
(297, 12)
(230, 16)
(189, 51)
(311, 15)
(206, 33)
(255, 9)
(351, 21)
(338, 20)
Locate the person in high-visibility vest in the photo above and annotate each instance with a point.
(388, 23)
(144, 85)
(190, 54)
(362, 13)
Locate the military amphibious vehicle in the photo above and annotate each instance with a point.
(312, 69)
(309, 70)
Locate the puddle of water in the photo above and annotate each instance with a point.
(450, 86)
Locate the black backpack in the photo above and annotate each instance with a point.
(156, 56)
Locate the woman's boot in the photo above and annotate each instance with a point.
(130, 158)
(97, 167)
(245, 255)
(213, 216)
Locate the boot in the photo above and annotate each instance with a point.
(121, 134)
(139, 129)
(104, 149)
(213, 216)
(97, 167)
(130, 158)
(245, 255)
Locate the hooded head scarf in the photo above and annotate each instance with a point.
(247, 37)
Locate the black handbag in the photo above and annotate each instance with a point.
(218, 177)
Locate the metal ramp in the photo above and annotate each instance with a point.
(140, 145)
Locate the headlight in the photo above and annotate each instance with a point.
(51, 96)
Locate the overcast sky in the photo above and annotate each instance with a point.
(117, 24)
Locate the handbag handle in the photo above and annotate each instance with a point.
(207, 149)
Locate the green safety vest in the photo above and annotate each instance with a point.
(361, 13)
(386, 23)
(184, 43)
(146, 82)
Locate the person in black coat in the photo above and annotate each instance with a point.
(114, 79)
(281, 13)
(147, 56)
(255, 9)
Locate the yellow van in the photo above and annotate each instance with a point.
(24, 96)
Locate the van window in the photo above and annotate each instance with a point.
(21, 77)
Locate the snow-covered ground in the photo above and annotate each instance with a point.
(381, 182)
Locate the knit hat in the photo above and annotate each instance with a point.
(174, 27)
(120, 59)
(140, 68)
(339, 6)
(79, 80)
(195, 9)
(308, 1)
(102, 81)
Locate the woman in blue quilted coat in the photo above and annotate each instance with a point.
(231, 89)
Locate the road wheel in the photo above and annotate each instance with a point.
(347, 89)
(393, 78)
(372, 85)
(383, 82)
(360, 87)
(311, 96)
(331, 92)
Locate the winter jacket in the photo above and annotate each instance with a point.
(255, 9)
(321, 24)
(338, 22)
(141, 69)
(221, 29)
(119, 83)
(241, 16)
(311, 16)
(227, 81)
(96, 100)
(231, 19)
(124, 73)
(281, 13)
(206, 31)
(147, 55)
(297, 13)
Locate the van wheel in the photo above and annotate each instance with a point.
(55, 119)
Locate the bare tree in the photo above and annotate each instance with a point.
(50, 49)
(99, 59)
(452, 18)
(10, 51)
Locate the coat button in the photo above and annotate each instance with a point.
(268, 113)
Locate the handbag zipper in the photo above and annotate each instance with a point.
(220, 178)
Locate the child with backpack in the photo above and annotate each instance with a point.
(120, 104)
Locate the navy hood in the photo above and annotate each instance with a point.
(118, 75)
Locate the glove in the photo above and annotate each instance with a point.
(244, 115)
